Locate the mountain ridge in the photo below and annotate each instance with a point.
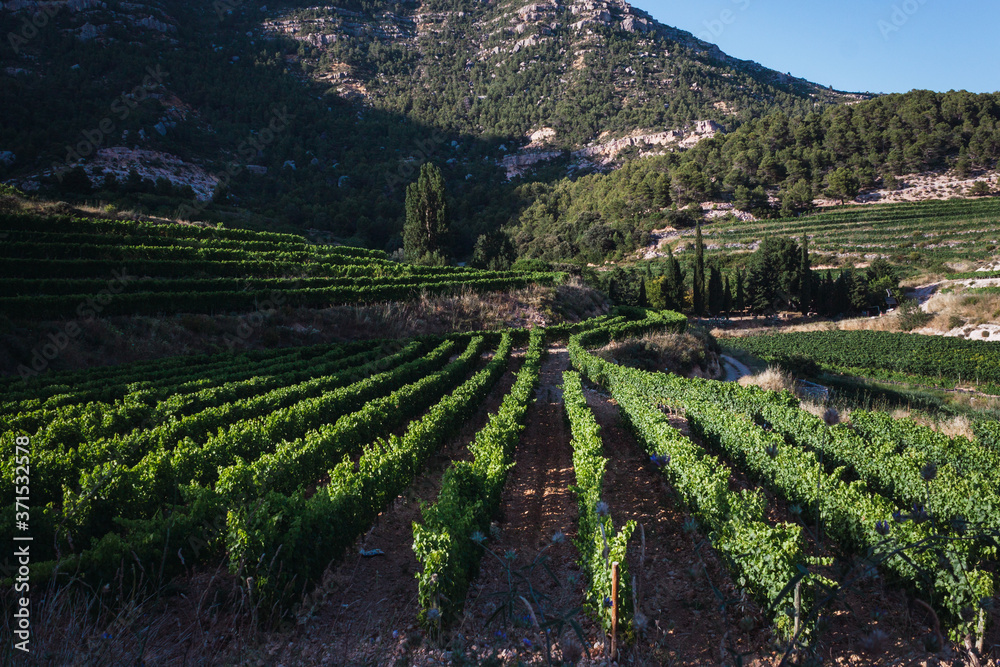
(510, 99)
(652, 67)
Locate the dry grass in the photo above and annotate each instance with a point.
(961, 265)
(120, 340)
(971, 309)
(96, 209)
(921, 279)
(885, 323)
(201, 619)
(828, 414)
(684, 354)
(772, 379)
(953, 427)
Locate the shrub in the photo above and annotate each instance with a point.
(911, 317)
(980, 189)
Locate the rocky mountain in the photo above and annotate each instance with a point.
(567, 74)
(286, 115)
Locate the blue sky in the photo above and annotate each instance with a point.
(879, 46)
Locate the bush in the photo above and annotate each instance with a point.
(980, 189)
(911, 317)
(674, 353)
(799, 365)
(435, 258)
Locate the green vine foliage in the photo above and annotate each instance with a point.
(470, 496)
(918, 509)
(765, 559)
(597, 541)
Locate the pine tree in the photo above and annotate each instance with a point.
(844, 185)
(699, 273)
(661, 192)
(425, 233)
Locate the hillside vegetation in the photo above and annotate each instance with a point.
(138, 268)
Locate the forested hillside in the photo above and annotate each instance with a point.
(268, 129)
(290, 118)
(775, 165)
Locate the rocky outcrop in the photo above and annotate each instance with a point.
(151, 23)
(683, 138)
(516, 164)
(324, 30)
(152, 165)
(604, 153)
(91, 19)
(88, 32)
(715, 210)
(541, 137)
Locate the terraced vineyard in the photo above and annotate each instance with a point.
(959, 229)
(59, 267)
(931, 360)
(299, 469)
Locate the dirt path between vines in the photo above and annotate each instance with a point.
(537, 504)
(365, 610)
(684, 625)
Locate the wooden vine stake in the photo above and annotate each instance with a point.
(614, 609)
(798, 607)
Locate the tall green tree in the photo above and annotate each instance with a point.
(493, 251)
(661, 191)
(425, 233)
(727, 297)
(741, 295)
(805, 278)
(689, 183)
(795, 198)
(716, 298)
(674, 282)
(698, 300)
(655, 292)
(772, 279)
(844, 185)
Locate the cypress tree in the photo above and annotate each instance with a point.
(674, 296)
(727, 298)
(698, 300)
(741, 295)
(715, 295)
(656, 293)
(426, 229)
(805, 280)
